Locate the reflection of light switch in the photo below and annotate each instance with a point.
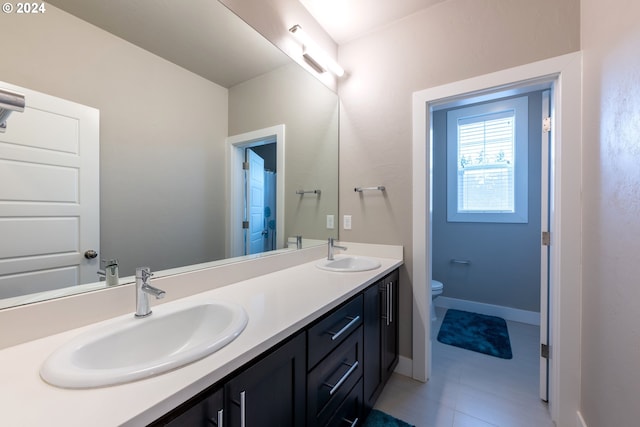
(347, 222)
(330, 225)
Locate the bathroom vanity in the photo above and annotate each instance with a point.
(318, 347)
(340, 362)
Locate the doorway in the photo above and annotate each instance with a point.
(564, 75)
(252, 228)
(489, 209)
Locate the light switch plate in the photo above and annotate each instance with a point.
(330, 222)
(346, 222)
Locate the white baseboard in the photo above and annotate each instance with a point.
(581, 422)
(507, 313)
(404, 367)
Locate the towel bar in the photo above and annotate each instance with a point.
(361, 189)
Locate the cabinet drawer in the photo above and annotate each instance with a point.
(349, 414)
(333, 329)
(332, 380)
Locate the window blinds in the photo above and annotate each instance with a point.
(486, 160)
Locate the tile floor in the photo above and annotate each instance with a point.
(469, 389)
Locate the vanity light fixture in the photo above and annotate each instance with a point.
(9, 102)
(320, 61)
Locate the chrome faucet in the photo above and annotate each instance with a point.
(333, 246)
(143, 290)
(110, 272)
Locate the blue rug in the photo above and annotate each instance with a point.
(476, 332)
(380, 419)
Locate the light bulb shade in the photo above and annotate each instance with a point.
(319, 61)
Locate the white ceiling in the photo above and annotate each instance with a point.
(205, 38)
(346, 20)
(208, 39)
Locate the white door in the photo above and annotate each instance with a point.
(544, 251)
(49, 195)
(256, 232)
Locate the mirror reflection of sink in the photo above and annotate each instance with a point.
(130, 349)
(349, 263)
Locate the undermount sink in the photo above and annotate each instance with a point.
(130, 349)
(349, 263)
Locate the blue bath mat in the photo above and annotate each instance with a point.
(380, 419)
(476, 332)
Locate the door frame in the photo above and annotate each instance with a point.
(564, 74)
(235, 146)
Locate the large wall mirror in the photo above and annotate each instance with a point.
(183, 91)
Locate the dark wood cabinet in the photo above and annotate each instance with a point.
(380, 336)
(390, 330)
(270, 392)
(329, 374)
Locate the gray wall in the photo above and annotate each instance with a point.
(151, 151)
(505, 258)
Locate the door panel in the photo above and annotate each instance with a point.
(255, 203)
(49, 215)
(544, 250)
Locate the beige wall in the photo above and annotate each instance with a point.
(309, 111)
(162, 130)
(453, 40)
(611, 182)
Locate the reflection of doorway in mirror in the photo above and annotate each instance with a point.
(255, 230)
(49, 200)
(256, 191)
(260, 195)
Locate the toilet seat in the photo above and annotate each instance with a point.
(436, 287)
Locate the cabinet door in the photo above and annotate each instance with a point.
(390, 325)
(205, 410)
(380, 336)
(372, 375)
(270, 392)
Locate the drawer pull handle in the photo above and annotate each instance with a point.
(353, 423)
(335, 388)
(243, 409)
(335, 335)
(219, 422)
(390, 302)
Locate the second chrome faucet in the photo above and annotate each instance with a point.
(331, 246)
(143, 290)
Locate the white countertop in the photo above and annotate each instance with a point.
(278, 304)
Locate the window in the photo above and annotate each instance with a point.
(487, 162)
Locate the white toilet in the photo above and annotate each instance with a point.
(436, 289)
